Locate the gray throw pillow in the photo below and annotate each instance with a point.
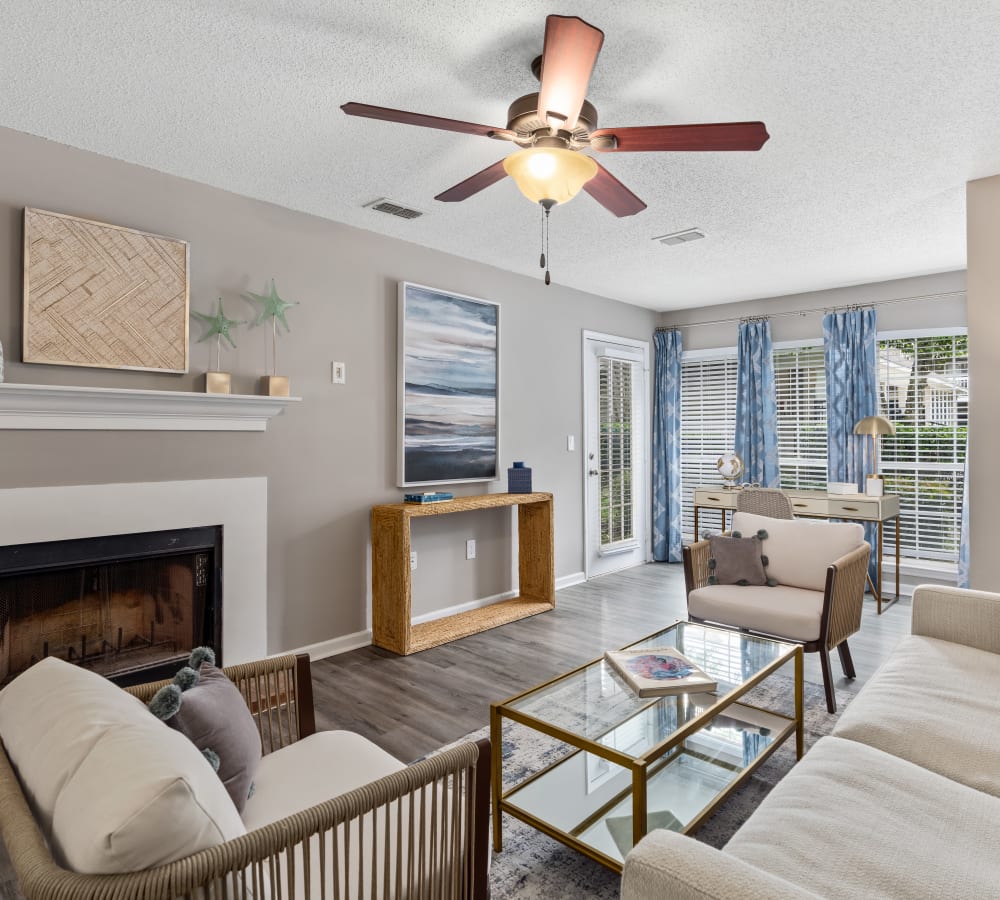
(215, 717)
(735, 560)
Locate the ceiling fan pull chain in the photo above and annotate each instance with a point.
(547, 206)
(541, 259)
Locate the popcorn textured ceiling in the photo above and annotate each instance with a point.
(878, 115)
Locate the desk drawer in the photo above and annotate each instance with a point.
(810, 506)
(854, 509)
(719, 499)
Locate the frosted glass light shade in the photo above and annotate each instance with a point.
(549, 173)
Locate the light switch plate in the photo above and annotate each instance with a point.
(338, 373)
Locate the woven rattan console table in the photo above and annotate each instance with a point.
(392, 626)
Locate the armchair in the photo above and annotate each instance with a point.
(820, 567)
(417, 830)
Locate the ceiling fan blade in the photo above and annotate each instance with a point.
(571, 48)
(474, 183)
(612, 194)
(722, 136)
(411, 118)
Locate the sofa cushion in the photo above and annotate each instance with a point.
(799, 551)
(785, 611)
(735, 560)
(51, 717)
(316, 768)
(936, 704)
(850, 821)
(113, 788)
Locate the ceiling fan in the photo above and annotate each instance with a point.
(553, 125)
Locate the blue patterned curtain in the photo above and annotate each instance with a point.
(963, 547)
(851, 355)
(667, 447)
(756, 404)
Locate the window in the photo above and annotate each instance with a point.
(615, 452)
(708, 422)
(924, 389)
(800, 385)
(924, 384)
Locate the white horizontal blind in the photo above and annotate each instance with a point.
(800, 384)
(708, 425)
(615, 452)
(924, 390)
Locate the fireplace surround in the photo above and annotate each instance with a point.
(238, 505)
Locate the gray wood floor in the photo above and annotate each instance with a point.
(410, 705)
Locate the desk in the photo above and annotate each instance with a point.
(821, 505)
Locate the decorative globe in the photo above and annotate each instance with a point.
(730, 466)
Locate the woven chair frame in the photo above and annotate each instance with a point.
(419, 834)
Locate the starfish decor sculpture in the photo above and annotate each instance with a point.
(272, 307)
(220, 327)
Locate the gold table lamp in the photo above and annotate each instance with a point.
(876, 426)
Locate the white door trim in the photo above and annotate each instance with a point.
(646, 454)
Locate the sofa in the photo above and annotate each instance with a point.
(902, 800)
(817, 572)
(99, 798)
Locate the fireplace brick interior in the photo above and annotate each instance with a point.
(130, 607)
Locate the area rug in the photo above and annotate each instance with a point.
(532, 866)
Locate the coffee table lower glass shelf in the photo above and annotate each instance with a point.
(625, 765)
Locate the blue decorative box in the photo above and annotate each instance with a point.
(519, 479)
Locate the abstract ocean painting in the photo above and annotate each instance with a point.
(448, 387)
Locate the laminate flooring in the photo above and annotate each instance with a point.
(409, 705)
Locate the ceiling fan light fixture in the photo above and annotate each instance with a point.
(549, 173)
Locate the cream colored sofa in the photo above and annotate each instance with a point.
(902, 801)
(100, 799)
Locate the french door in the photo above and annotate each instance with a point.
(616, 451)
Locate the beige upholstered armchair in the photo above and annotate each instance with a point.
(820, 569)
(410, 831)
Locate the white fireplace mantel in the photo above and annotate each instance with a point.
(51, 407)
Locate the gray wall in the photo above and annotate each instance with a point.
(983, 236)
(891, 316)
(329, 458)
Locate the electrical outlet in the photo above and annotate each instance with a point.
(470, 549)
(413, 560)
(338, 373)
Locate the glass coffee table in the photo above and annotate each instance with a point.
(634, 764)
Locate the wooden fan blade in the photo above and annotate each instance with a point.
(571, 48)
(722, 136)
(411, 118)
(474, 183)
(612, 194)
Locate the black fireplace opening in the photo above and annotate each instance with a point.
(130, 607)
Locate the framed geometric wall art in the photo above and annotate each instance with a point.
(103, 296)
(448, 379)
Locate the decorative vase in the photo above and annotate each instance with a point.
(874, 486)
(218, 383)
(519, 479)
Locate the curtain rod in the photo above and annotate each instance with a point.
(816, 311)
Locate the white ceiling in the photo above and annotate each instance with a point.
(879, 112)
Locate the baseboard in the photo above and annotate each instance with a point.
(337, 645)
(463, 607)
(569, 580)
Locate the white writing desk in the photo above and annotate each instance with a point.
(820, 505)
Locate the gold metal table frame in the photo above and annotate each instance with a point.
(652, 761)
(821, 505)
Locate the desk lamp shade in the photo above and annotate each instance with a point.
(875, 426)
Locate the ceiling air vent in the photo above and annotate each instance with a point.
(681, 237)
(393, 209)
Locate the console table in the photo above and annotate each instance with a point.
(821, 505)
(392, 625)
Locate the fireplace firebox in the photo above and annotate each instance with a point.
(130, 607)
